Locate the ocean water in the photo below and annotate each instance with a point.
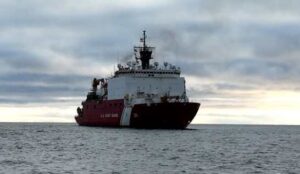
(68, 148)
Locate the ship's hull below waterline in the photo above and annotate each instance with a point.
(146, 116)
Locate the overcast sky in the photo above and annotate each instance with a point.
(241, 59)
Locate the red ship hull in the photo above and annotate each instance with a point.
(157, 115)
(104, 113)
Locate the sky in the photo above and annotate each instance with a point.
(241, 59)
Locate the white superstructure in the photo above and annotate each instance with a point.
(142, 82)
(134, 81)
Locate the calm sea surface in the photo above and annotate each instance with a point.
(68, 148)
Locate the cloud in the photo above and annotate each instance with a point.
(19, 59)
(55, 48)
(41, 88)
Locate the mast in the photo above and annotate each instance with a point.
(144, 38)
(145, 52)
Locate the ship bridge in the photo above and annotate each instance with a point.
(159, 73)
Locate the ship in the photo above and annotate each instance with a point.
(140, 94)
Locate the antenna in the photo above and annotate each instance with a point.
(144, 39)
